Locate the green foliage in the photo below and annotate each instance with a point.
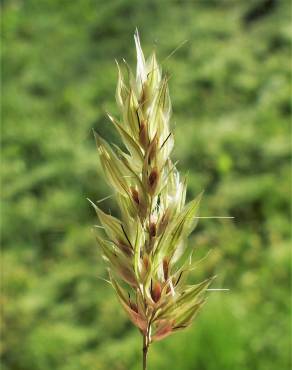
(230, 88)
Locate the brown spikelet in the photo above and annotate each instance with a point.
(135, 195)
(125, 248)
(152, 229)
(165, 268)
(153, 180)
(133, 306)
(156, 292)
(146, 261)
(152, 149)
(143, 135)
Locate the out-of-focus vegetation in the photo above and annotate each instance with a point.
(230, 87)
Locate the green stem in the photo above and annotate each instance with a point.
(145, 351)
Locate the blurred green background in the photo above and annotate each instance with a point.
(231, 88)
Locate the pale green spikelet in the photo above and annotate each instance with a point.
(147, 247)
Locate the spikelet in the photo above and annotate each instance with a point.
(147, 247)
